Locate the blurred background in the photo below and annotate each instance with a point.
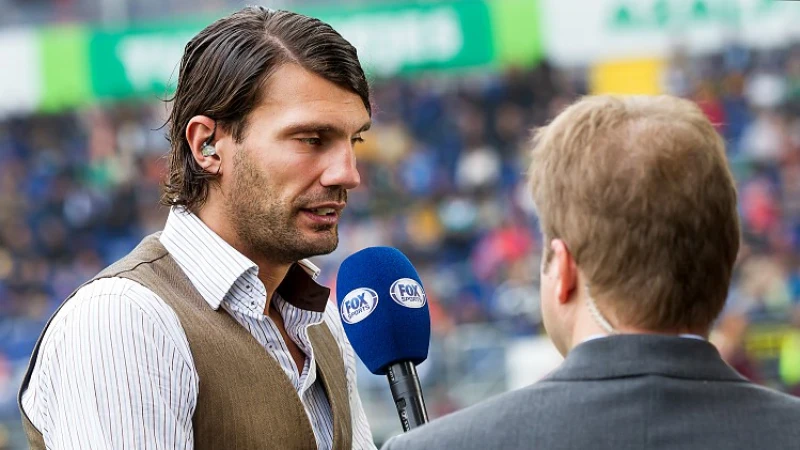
(458, 86)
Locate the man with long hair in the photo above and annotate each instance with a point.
(213, 333)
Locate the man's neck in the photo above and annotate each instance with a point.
(269, 272)
(272, 276)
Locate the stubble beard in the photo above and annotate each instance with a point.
(268, 226)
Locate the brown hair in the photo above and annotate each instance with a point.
(640, 191)
(222, 74)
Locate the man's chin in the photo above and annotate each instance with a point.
(329, 247)
(322, 242)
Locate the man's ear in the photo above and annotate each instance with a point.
(200, 136)
(564, 269)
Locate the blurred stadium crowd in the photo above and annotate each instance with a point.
(443, 175)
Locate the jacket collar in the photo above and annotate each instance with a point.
(644, 354)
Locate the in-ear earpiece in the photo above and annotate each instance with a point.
(208, 150)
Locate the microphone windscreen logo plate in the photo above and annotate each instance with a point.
(358, 304)
(409, 293)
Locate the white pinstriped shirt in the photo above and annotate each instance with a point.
(119, 374)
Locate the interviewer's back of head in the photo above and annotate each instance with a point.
(639, 192)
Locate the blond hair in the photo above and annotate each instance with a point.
(640, 191)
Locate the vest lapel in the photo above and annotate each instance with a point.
(330, 367)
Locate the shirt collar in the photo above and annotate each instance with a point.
(213, 266)
(299, 289)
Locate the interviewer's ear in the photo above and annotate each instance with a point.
(563, 270)
(200, 134)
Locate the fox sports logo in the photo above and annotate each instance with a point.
(409, 293)
(358, 305)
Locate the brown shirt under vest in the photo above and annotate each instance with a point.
(245, 400)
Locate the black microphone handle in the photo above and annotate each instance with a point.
(407, 394)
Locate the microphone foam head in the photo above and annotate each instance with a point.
(384, 308)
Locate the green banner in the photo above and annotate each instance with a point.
(82, 64)
(406, 39)
(138, 60)
(65, 67)
(516, 29)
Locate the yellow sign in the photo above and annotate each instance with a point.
(627, 77)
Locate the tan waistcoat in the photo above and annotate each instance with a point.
(245, 400)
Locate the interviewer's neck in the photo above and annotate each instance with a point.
(587, 328)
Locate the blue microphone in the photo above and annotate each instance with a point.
(385, 315)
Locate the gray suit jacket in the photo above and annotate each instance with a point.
(625, 392)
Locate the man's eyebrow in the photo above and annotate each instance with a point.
(320, 127)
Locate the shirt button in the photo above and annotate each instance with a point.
(249, 287)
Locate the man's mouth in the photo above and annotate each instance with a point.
(323, 211)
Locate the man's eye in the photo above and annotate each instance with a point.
(311, 141)
(358, 139)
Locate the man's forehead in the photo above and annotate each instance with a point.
(290, 84)
(295, 97)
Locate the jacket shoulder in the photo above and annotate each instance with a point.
(479, 426)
